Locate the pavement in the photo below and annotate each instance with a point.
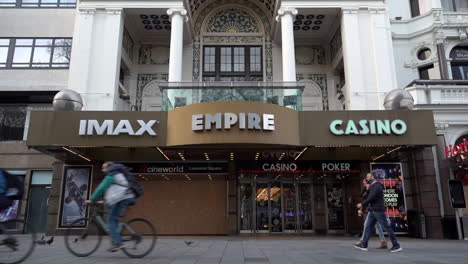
(261, 250)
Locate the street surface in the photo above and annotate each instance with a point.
(260, 250)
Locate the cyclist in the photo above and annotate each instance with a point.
(117, 196)
(5, 200)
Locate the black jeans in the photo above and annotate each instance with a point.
(5, 202)
(379, 217)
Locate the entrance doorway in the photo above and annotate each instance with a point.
(273, 205)
(38, 200)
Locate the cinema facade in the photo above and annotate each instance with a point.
(239, 116)
(231, 167)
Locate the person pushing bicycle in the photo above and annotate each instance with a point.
(117, 197)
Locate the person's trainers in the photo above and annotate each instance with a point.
(115, 248)
(358, 243)
(361, 247)
(395, 249)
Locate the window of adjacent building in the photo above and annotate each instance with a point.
(414, 6)
(41, 177)
(12, 121)
(35, 53)
(427, 72)
(455, 5)
(15, 109)
(38, 3)
(424, 54)
(459, 64)
(232, 63)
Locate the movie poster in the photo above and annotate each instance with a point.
(74, 194)
(10, 212)
(391, 176)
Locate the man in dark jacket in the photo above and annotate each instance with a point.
(376, 205)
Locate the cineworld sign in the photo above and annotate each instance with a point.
(368, 127)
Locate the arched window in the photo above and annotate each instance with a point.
(459, 56)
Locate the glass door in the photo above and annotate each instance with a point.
(305, 207)
(276, 208)
(290, 207)
(246, 207)
(262, 211)
(334, 193)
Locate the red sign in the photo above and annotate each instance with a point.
(457, 150)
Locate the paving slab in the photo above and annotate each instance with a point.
(262, 250)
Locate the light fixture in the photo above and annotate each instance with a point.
(257, 155)
(79, 155)
(206, 156)
(301, 153)
(162, 152)
(181, 156)
(232, 155)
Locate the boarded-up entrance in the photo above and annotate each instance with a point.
(183, 207)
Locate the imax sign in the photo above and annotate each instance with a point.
(108, 127)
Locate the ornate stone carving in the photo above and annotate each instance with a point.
(285, 11)
(153, 55)
(232, 40)
(321, 80)
(244, 3)
(142, 81)
(308, 55)
(268, 58)
(232, 20)
(457, 19)
(196, 58)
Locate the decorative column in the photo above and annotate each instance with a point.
(353, 60)
(368, 57)
(178, 16)
(95, 59)
(443, 64)
(286, 16)
(382, 53)
(81, 52)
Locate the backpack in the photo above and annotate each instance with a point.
(133, 183)
(15, 186)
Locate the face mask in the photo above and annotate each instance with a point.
(369, 181)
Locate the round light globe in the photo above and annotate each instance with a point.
(67, 100)
(398, 99)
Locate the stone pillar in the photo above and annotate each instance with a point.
(178, 16)
(353, 59)
(443, 64)
(95, 59)
(368, 57)
(286, 17)
(383, 58)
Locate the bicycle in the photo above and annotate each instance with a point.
(14, 247)
(135, 233)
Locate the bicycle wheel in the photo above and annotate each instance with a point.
(14, 246)
(83, 242)
(139, 236)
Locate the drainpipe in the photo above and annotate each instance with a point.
(439, 188)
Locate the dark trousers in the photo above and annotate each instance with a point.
(5, 202)
(378, 217)
(113, 219)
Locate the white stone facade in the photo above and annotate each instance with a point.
(363, 49)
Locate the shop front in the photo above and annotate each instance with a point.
(239, 167)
